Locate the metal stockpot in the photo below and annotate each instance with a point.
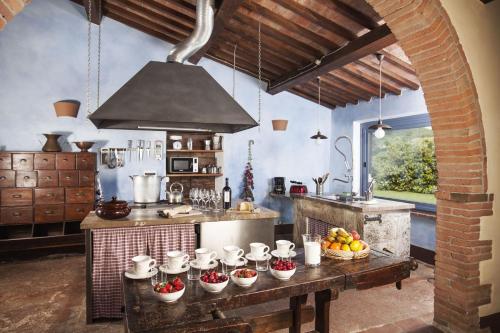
(147, 188)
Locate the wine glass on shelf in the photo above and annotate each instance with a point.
(192, 196)
(212, 199)
(202, 194)
(217, 200)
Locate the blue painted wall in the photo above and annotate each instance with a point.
(43, 59)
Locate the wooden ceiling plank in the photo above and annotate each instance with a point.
(312, 87)
(352, 80)
(370, 42)
(315, 17)
(242, 62)
(352, 14)
(337, 86)
(330, 93)
(398, 62)
(145, 20)
(178, 6)
(387, 73)
(224, 13)
(167, 13)
(309, 96)
(372, 78)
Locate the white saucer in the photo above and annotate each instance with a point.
(291, 254)
(132, 275)
(212, 264)
(250, 256)
(241, 262)
(165, 269)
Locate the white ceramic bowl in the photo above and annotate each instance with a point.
(170, 297)
(243, 282)
(214, 287)
(283, 275)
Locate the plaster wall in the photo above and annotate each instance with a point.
(43, 59)
(477, 26)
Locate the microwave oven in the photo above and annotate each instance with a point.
(183, 165)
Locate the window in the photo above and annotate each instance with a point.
(403, 163)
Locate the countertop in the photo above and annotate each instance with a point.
(149, 216)
(380, 205)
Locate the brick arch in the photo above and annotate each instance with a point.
(424, 31)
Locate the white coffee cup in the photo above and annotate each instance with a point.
(259, 250)
(204, 256)
(283, 247)
(143, 264)
(176, 259)
(232, 254)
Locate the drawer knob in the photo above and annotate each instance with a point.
(49, 212)
(26, 177)
(67, 177)
(79, 194)
(17, 196)
(3, 177)
(23, 160)
(84, 177)
(79, 210)
(16, 214)
(50, 194)
(65, 159)
(45, 160)
(48, 177)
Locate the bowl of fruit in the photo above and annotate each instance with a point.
(283, 269)
(244, 277)
(169, 291)
(340, 244)
(214, 282)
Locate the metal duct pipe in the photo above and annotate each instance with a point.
(205, 13)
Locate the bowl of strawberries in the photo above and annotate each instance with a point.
(244, 277)
(169, 291)
(214, 282)
(283, 269)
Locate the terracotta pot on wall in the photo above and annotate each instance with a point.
(280, 124)
(67, 108)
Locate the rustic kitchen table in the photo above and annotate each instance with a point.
(199, 309)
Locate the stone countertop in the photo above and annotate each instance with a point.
(149, 216)
(380, 205)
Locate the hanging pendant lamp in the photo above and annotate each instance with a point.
(319, 136)
(379, 127)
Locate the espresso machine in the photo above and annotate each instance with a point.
(279, 185)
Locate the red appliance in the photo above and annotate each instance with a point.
(297, 187)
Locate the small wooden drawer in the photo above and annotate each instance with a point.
(5, 161)
(16, 197)
(65, 161)
(26, 178)
(23, 162)
(7, 178)
(49, 195)
(77, 212)
(48, 178)
(85, 161)
(87, 178)
(45, 161)
(49, 213)
(68, 178)
(80, 195)
(16, 215)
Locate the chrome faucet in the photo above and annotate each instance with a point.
(348, 177)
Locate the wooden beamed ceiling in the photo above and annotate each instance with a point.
(335, 40)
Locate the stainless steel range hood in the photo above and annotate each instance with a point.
(171, 95)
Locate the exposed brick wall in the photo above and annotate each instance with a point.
(9, 9)
(425, 33)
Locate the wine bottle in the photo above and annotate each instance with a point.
(226, 192)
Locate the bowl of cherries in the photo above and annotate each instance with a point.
(169, 291)
(214, 282)
(283, 269)
(244, 277)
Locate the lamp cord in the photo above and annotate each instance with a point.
(89, 37)
(260, 76)
(234, 70)
(380, 90)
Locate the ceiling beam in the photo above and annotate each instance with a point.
(225, 12)
(94, 8)
(369, 43)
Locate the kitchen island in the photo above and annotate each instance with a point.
(110, 245)
(383, 224)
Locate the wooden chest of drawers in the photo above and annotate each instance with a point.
(39, 188)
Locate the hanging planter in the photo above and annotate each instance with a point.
(280, 124)
(67, 108)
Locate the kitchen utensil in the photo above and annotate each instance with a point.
(298, 187)
(111, 159)
(175, 196)
(84, 146)
(113, 209)
(319, 188)
(190, 144)
(207, 144)
(279, 185)
(159, 150)
(148, 149)
(217, 142)
(147, 188)
(51, 145)
(98, 190)
(141, 150)
(129, 148)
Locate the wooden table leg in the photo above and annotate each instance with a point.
(322, 303)
(296, 303)
(398, 285)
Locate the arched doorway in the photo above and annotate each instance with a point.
(425, 33)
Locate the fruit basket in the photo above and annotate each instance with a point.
(342, 245)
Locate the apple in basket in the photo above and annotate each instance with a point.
(169, 291)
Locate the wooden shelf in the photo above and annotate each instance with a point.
(193, 151)
(194, 174)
